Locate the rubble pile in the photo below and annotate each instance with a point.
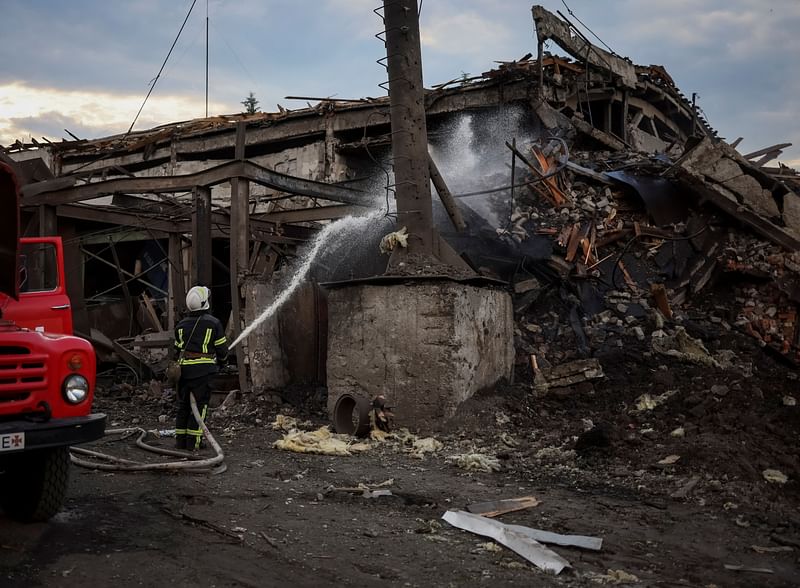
(636, 254)
(663, 315)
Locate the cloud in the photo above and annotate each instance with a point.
(50, 124)
(27, 110)
(463, 33)
(88, 43)
(357, 16)
(713, 30)
(738, 55)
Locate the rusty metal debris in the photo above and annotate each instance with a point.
(351, 415)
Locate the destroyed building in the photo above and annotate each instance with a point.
(600, 342)
(612, 194)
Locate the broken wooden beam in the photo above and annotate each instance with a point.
(766, 150)
(641, 230)
(495, 508)
(53, 192)
(555, 197)
(546, 174)
(446, 196)
(608, 140)
(589, 173)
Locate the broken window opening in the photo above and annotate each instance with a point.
(37, 268)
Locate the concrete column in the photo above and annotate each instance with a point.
(409, 132)
(239, 241)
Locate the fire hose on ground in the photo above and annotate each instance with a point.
(189, 463)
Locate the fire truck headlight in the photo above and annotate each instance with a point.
(76, 389)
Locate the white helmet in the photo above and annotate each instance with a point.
(197, 298)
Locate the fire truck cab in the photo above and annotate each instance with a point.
(47, 375)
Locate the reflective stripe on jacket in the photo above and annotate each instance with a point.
(199, 343)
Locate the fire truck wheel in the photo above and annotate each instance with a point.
(34, 484)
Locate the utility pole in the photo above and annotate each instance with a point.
(409, 132)
(206, 58)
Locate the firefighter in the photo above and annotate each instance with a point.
(199, 343)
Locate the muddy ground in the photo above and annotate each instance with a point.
(272, 518)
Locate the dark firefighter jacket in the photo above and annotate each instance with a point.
(199, 343)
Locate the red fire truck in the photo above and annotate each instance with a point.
(47, 375)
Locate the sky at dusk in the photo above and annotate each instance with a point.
(86, 65)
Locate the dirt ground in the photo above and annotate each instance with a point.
(272, 518)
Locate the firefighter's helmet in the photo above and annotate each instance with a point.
(197, 298)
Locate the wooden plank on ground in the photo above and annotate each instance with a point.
(495, 508)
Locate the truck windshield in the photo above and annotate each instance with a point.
(37, 268)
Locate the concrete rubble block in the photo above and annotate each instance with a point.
(552, 119)
(549, 26)
(683, 346)
(723, 191)
(721, 164)
(527, 286)
(426, 345)
(645, 142)
(752, 194)
(573, 372)
(724, 170)
(791, 213)
(702, 158)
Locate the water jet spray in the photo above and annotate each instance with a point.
(339, 227)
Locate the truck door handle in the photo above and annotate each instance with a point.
(60, 307)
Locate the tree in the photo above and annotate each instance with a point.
(250, 104)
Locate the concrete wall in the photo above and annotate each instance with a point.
(427, 346)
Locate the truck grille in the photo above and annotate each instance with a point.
(21, 373)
